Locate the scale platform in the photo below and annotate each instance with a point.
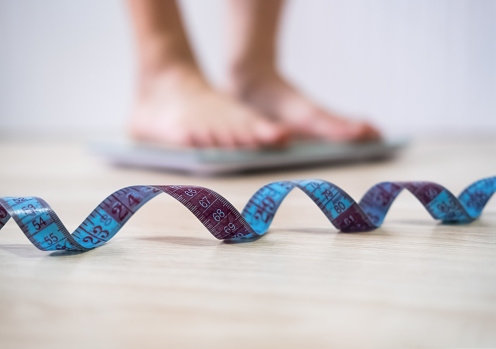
(213, 161)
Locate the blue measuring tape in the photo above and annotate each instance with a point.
(44, 229)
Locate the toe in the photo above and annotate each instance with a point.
(224, 138)
(372, 133)
(203, 139)
(179, 138)
(270, 134)
(245, 138)
(334, 129)
(339, 129)
(363, 132)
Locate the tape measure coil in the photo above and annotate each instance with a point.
(45, 230)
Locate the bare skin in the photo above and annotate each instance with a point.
(254, 78)
(176, 106)
(272, 95)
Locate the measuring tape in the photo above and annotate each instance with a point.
(45, 230)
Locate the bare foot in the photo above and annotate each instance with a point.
(178, 108)
(272, 95)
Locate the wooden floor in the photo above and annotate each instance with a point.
(165, 282)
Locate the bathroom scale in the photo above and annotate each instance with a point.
(214, 161)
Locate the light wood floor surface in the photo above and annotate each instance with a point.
(165, 282)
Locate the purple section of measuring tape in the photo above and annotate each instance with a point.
(44, 229)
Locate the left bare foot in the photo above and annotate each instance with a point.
(272, 95)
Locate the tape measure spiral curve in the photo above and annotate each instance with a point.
(45, 230)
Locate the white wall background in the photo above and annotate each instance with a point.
(68, 66)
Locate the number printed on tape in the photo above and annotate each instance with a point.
(45, 230)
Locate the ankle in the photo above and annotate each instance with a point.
(159, 55)
(247, 76)
(170, 77)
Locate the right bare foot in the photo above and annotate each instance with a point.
(178, 108)
(271, 94)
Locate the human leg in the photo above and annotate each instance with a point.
(254, 78)
(175, 105)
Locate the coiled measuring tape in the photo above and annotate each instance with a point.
(45, 230)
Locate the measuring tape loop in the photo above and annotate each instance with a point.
(45, 230)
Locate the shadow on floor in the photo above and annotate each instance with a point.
(22, 250)
(181, 240)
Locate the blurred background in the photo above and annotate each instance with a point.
(67, 68)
